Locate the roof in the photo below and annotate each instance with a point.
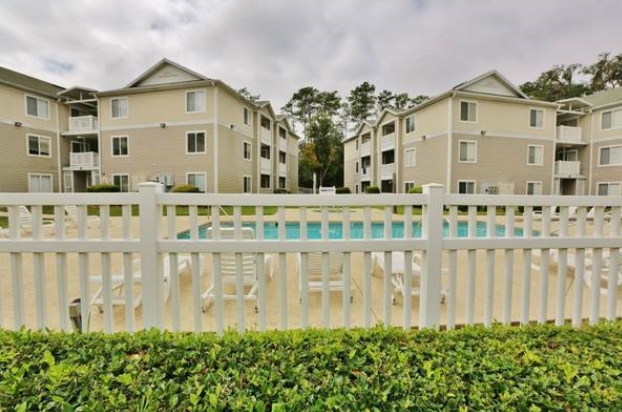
(492, 73)
(22, 81)
(605, 97)
(162, 63)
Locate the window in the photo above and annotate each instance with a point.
(196, 179)
(247, 116)
(468, 151)
(120, 146)
(39, 182)
(356, 167)
(265, 151)
(247, 184)
(282, 157)
(388, 157)
(610, 156)
(534, 188)
(388, 128)
(611, 119)
(466, 187)
(408, 186)
(609, 189)
(536, 118)
(195, 101)
(39, 146)
(282, 183)
(195, 142)
(282, 133)
(468, 112)
(39, 108)
(265, 181)
(410, 157)
(119, 107)
(265, 123)
(247, 151)
(122, 181)
(365, 138)
(410, 124)
(535, 154)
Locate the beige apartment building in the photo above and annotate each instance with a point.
(486, 136)
(170, 125)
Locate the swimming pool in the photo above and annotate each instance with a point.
(335, 230)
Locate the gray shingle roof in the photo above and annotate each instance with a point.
(604, 97)
(22, 81)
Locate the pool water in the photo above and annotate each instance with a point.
(335, 230)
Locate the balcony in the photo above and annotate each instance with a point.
(83, 124)
(283, 144)
(83, 160)
(386, 171)
(266, 166)
(565, 168)
(365, 149)
(365, 173)
(282, 169)
(266, 135)
(569, 134)
(387, 141)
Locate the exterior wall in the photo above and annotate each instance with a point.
(431, 162)
(292, 164)
(605, 173)
(257, 151)
(350, 157)
(232, 167)
(15, 160)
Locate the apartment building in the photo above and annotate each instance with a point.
(482, 136)
(170, 125)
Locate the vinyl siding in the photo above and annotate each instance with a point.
(604, 173)
(231, 163)
(431, 162)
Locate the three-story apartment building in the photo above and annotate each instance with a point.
(170, 125)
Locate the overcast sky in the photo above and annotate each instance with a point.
(275, 47)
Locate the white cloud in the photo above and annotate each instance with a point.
(275, 47)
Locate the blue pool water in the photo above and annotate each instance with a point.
(335, 230)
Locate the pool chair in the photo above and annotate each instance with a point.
(72, 217)
(118, 282)
(314, 273)
(398, 264)
(228, 271)
(26, 223)
(605, 272)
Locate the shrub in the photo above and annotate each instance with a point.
(372, 189)
(281, 191)
(186, 189)
(531, 368)
(104, 187)
(343, 191)
(416, 190)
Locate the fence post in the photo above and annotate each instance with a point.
(149, 233)
(430, 287)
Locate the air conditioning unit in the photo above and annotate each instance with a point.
(165, 179)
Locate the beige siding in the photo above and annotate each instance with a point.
(350, 157)
(599, 133)
(429, 121)
(292, 164)
(231, 163)
(231, 112)
(431, 162)
(605, 174)
(13, 109)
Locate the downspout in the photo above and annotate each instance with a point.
(590, 181)
(554, 155)
(450, 142)
(398, 148)
(59, 163)
(215, 123)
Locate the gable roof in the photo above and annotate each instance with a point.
(358, 129)
(491, 82)
(605, 97)
(24, 82)
(162, 65)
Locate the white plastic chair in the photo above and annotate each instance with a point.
(72, 216)
(26, 223)
(314, 273)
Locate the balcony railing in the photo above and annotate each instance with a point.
(386, 171)
(365, 173)
(283, 144)
(282, 169)
(387, 141)
(569, 134)
(266, 135)
(266, 166)
(366, 149)
(567, 168)
(83, 124)
(85, 159)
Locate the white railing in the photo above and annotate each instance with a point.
(567, 168)
(387, 141)
(282, 169)
(365, 149)
(266, 135)
(282, 144)
(266, 166)
(386, 171)
(84, 159)
(529, 266)
(83, 124)
(569, 134)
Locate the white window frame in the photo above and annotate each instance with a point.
(205, 142)
(250, 150)
(413, 163)
(468, 181)
(127, 107)
(129, 182)
(609, 184)
(535, 146)
(475, 111)
(279, 182)
(536, 109)
(613, 115)
(474, 142)
(250, 183)
(409, 120)
(39, 139)
(536, 183)
(38, 99)
(112, 138)
(600, 151)
(284, 137)
(247, 120)
(202, 109)
(40, 175)
(409, 184)
(188, 174)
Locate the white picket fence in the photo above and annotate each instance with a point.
(505, 278)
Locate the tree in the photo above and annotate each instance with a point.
(302, 106)
(361, 102)
(328, 104)
(325, 142)
(384, 100)
(418, 100)
(244, 92)
(556, 84)
(606, 72)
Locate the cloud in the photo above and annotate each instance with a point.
(275, 47)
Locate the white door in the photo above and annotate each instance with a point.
(68, 181)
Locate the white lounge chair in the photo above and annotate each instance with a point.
(314, 273)
(118, 282)
(228, 270)
(605, 272)
(26, 223)
(72, 216)
(398, 265)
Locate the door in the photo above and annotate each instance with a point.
(68, 182)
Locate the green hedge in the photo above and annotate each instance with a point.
(372, 189)
(104, 187)
(186, 189)
(343, 191)
(535, 368)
